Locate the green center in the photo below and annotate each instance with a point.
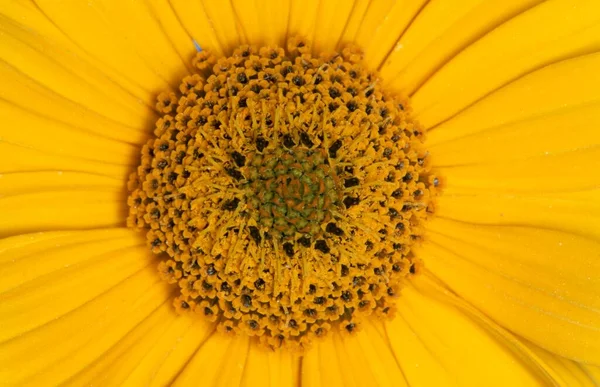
(291, 192)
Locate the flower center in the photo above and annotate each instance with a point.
(284, 193)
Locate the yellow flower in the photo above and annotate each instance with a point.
(509, 288)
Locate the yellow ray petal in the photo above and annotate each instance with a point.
(117, 301)
(382, 25)
(219, 361)
(211, 24)
(170, 353)
(568, 171)
(61, 209)
(593, 372)
(436, 344)
(540, 283)
(113, 367)
(370, 350)
(264, 22)
(322, 365)
(270, 368)
(355, 20)
(329, 24)
(19, 183)
(124, 37)
(558, 212)
(562, 89)
(552, 31)
(303, 18)
(570, 372)
(440, 30)
(20, 158)
(31, 44)
(28, 257)
(47, 135)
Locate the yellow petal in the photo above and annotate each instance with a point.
(538, 280)
(88, 298)
(553, 104)
(569, 372)
(19, 183)
(219, 361)
(211, 24)
(264, 22)
(303, 18)
(61, 209)
(440, 31)
(270, 368)
(32, 42)
(330, 23)
(552, 31)
(323, 365)
(124, 37)
(438, 345)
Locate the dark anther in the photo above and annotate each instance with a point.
(246, 53)
(368, 109)
(390, 292)
(383, 231)
(400, 226)
(298, 80)
(185, 305)
(206, 286)
(259, 284)
(321, 245)
(318, 79)
(208, 311)
(332, 228)
(390, 177)
(233, 91)
(287, 70)
(306, 139)
(197, 154)
(332, 106)
(261, 144)
(255, 88)
(369, 93)
(418, 193)
(352, 182)
(347, 296)
(345, 271)
(186, 174)
(155, 214)
(255, 234)
(387, 152)
(319, 300)
(180, 157)
(393, 213)
(162, 164)
(352, 92)
(312, 289)
(334, 148)
(163, 147)
(397, 246)
(436, 182)
(349, 169)
(353, 74)
(172, 176)
(396, 267)
(304, 241)
(239, 159)
(407, 207)
(252, 324)
(225, 287)
(377, 271)
(350, 201)
(369, 245)
(270, 78)
(333, 92)
(242, 78)
(397, 194)
(210, 269)
(384, 113)
(310, 312)
(352, 106)
(319, 332)
(408, 177)
(246, 301)
(157, 242)
(242, 103)
(288, 142)
(358, 281)
(289, 249)
(234, 173)
(293, 323)
(412, 269)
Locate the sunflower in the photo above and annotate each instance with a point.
(300, 193)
